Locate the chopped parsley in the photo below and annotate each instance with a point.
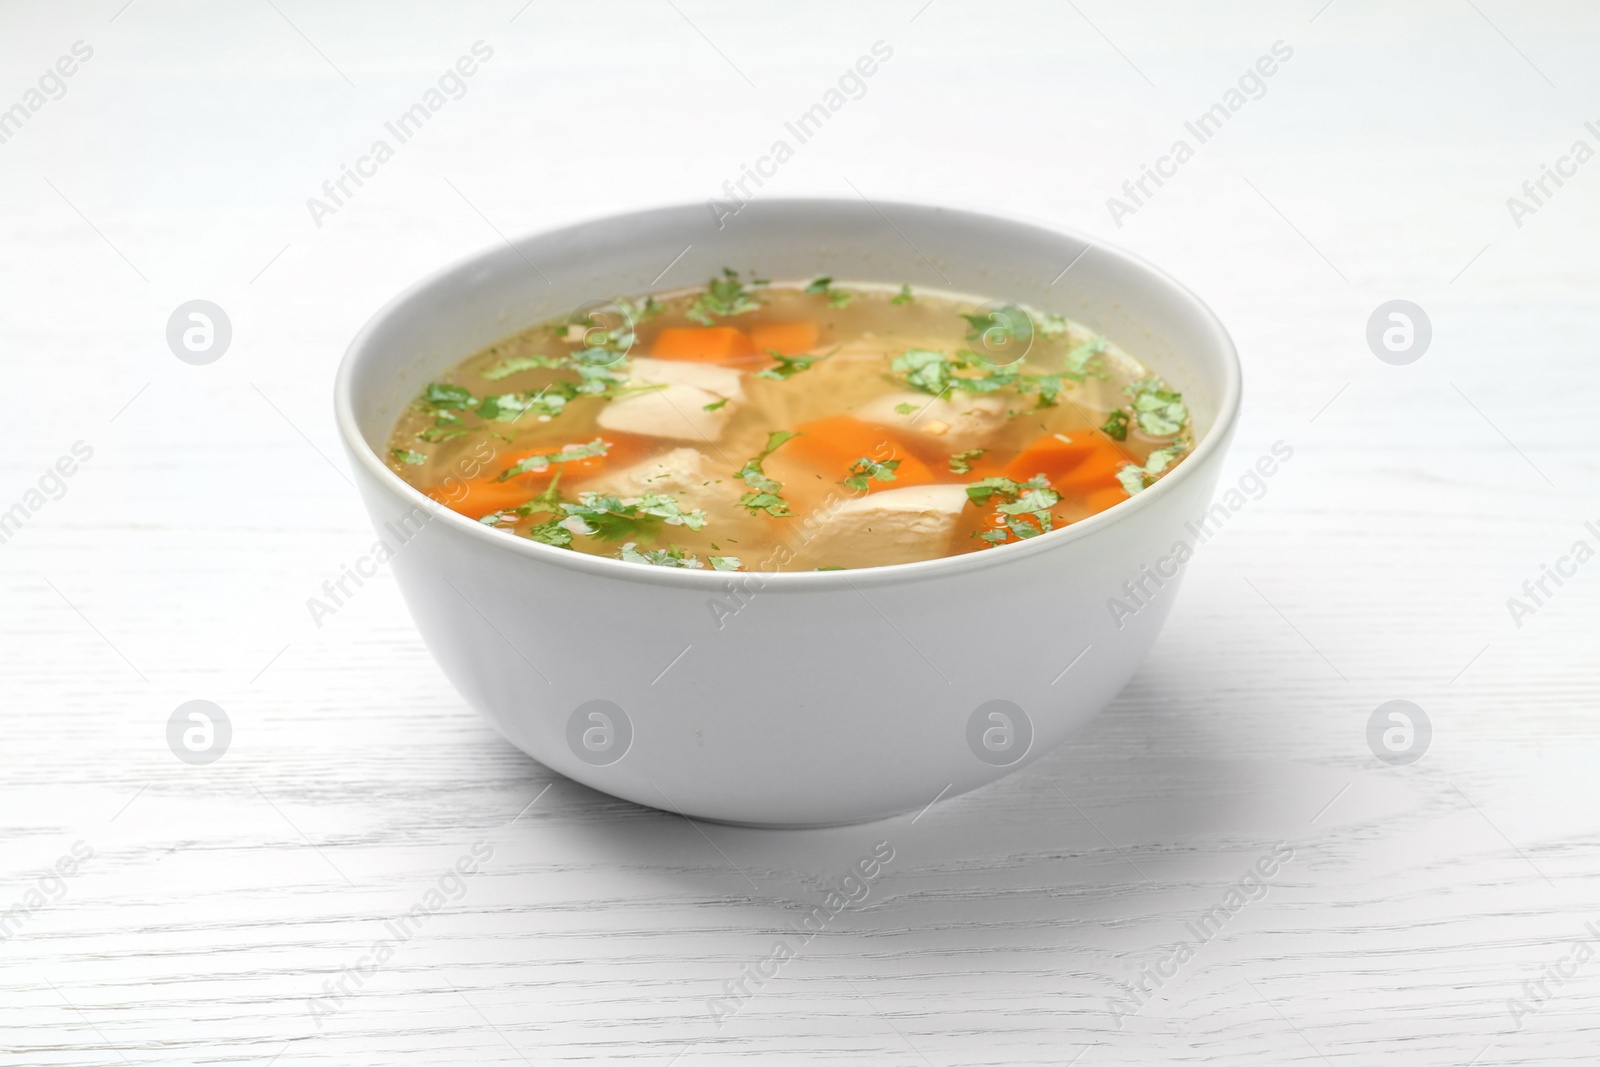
(931, 371)
(606, 518)
(961, 462)
(1159, 411)
(511, 407)
(714, 405)
(905, 409)
(1135, 478)
(445, 401)
(611, 518)
(1019, 503)
(602, 346)
(551, 533)
(1000, 327)
(867, 468)
(547, 502)
(903, 297)
(439, 395)
(1116, 425)
(1080, 355)
(1048, 386)
(1049, 326)
(639, 311)
(788, 366)
(724, 297)
(837, 298)
(541, 461)
(763, 495)
(443, 430)
(671, 556)
(926, 369)
(516, 364)
(405, 455)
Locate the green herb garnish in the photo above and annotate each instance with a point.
(601, 346)
(961, 462)
(1078, 358)
(1159, 411)
(511, 407)
(1019, 502)
(542, 461)
(837, 298)
(611, 518)
(763, 495)
(903, 297)
(905, 409)
(1116, 425)
(926, 369)
(551, 533)
(934, 372)
(516, 364)
(639, 312)
(447, 426)
(671, 556)
(1000, 327)
(724, 297)
(548, 502)
(405, 455)
(867, 468)
(714, 405)
(788, 366)
(449, 397)
(1049, 326)
(1135, 478)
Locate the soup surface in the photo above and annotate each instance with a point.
(760, 426)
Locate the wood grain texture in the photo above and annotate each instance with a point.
(223, 904)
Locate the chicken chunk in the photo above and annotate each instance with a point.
(894, 526)
(685, 474)
(692, 402)
(957, 422)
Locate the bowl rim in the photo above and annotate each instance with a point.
(809, 581)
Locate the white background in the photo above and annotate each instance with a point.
(1377, 566)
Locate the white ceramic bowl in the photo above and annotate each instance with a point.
(808, 698)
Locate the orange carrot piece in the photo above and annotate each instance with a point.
(1083, 470)
(788, 338)
(829, 447)
(479, 496)
(624, 448)
(1088, 462)
(702, 344)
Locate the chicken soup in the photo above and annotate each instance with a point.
(779, 426)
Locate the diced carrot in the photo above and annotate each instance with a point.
(477, 497)
(485, 493)
(1089, 461)
(788, 338)
(990, 518)
(702, 344)
(827, 449)
(1083, 470)
(623, 449)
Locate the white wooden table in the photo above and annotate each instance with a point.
(226, 910)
